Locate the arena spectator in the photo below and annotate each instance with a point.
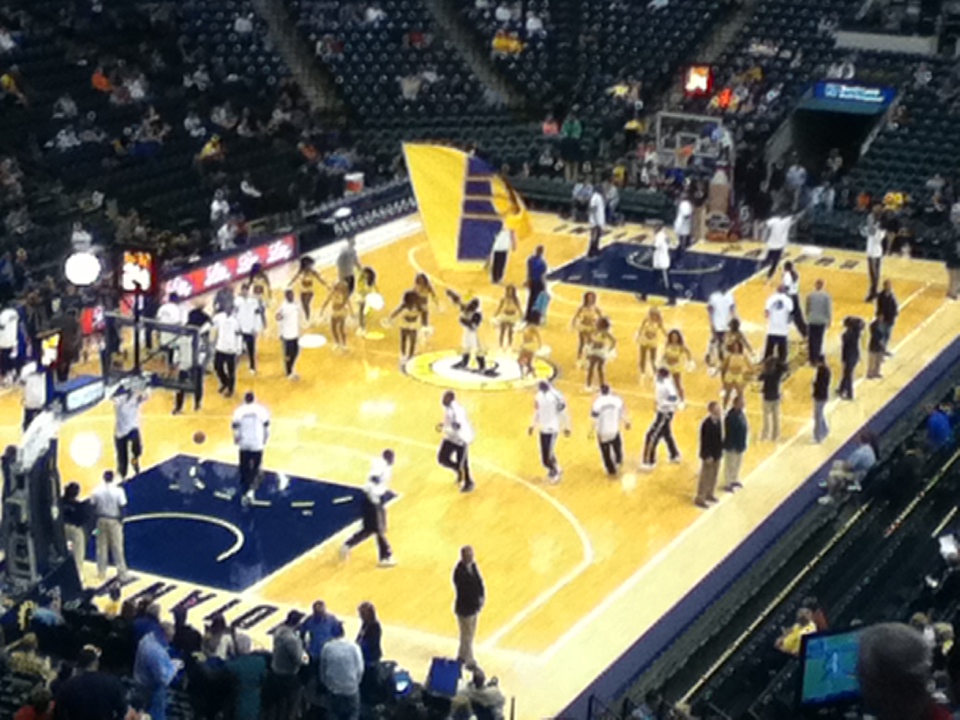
(791, 637)
(39, 706)
(370, 634)
(848, 475)
(317, 630)
(939, 429)
(484, 696)
(91, 694)
(26, 660)
(154, 670)
(218, 639)
(341, 671)
(282, 688)
(249, 671)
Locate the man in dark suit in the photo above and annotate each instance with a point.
(470, 596)
(711, 450)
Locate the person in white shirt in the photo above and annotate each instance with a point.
(597, 213)
(609, 415)
(779, 311)
(108, 502)
(721, 308)
(875, 238)
(80, 239)
(374, 512)
(683, 223)
(791, 285)
(169, 313)
(219, 209)
(243, 24)
(226, 348)
(188, 370)
(9, 334)
(251, 430)
(503, 244)
(250, 317)
(776, 235)
(667, 400)
(34, 380)
(457, 436)
(341, 672)
(288, 318)
(660, 262)
(550, 416)
(126, 429)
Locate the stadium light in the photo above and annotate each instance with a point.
(82, 269)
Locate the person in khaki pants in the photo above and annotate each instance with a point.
(76, 514)
(470, 596)
(711, 450)
(109, 501)
(735, 431)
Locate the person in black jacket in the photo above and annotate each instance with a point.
(470, 596)
(76, 520)
(711, 450)
(876, 346)
(887, 311)
(735, 431)
(772, 376)
(821, 393)
(849, 354)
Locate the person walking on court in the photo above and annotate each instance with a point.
(226, 348)
(597, 212)
(470, 598)
(126, 429)
(721, 309)
(504, 243)
(711, 452)
(536, 284)
(288, 321)
(660, 261)
(791, 286)
(771, 378)
(779, 310)
(875, 348)
(887, 310)
(875, 233)
(821, 394)
(348, 262)
(76, 518)
(108, 502)
(250, 317)
(457, 436)
(735, 433)
(683, 224)
(819, 316)
(666, 402)
(373, 511)
(251, 430)
(189, 370)
(776, 236)
(609, 415)
(550, 416)
(849, 354)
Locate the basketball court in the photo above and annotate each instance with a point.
(575, 572)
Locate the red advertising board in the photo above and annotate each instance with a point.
(225, 270)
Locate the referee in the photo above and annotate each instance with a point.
(374, 511)
(550, 415)
(251, 430)
(609, 413)
(667, 400)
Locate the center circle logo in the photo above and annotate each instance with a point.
(501, 371)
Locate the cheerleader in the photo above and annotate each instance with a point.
(647, 335)
(600, 346)
(735, 335)
(409, 314)
(306, 280)
(508, 314)
(260, 284)
(673, 353)
(470, 320)
(734, 372)
(339, 301)
(424, 290)
(366, 286)
(530, 344)
(585, 322)
(791, 283)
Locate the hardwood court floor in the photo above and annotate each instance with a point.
(574, 572)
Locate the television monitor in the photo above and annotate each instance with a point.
(137, 271)
(698, 80)
(49, 349)
(828, 663)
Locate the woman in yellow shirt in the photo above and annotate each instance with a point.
(260, 284)
(735, 335)
(735, 368)
(508, 314)
(585, 321)
(647, 336)
(673, 353)
(600, 347)
(340, 308)
(409, 314)
(306, 280)
(530, 344)
(424, 290)
(366, 285)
